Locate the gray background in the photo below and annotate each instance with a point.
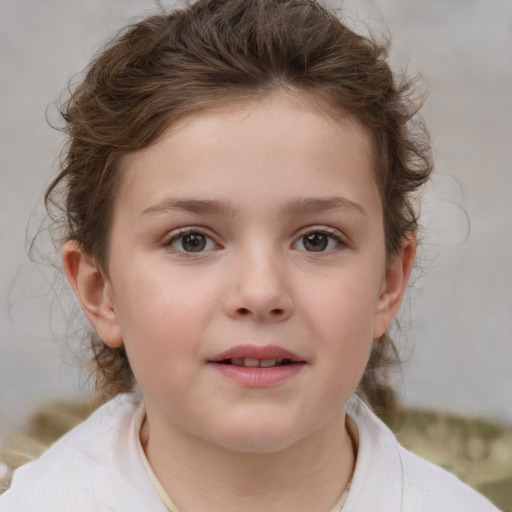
(457, 321)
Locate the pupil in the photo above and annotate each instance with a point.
(315, 242)
(193, 242)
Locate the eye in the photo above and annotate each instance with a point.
(191, 241)
(318, 241)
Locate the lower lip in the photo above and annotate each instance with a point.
(258, 377)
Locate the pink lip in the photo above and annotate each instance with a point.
(257, 352)
(257, 377)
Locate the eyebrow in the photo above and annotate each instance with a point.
(320, 204)
(298, 206)
(202, 206)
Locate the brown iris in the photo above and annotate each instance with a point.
(193, 242)
(315, 242)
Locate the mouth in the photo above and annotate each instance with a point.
(254, 363)
(255, 366)
(253, 356)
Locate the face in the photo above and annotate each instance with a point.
(247, 275)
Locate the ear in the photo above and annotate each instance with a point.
(398, 270)
(94, 292)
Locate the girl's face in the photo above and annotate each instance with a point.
(248, 275)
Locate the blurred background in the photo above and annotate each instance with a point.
(456, 324)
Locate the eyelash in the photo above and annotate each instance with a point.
(181, 234)
(330, 234)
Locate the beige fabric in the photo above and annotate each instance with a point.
(166, 500)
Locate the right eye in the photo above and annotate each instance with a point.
(191, 242)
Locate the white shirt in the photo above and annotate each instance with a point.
(99, 466)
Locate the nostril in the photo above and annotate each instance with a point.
(243, 311)
(277, 312)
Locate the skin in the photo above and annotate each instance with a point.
(275, 171)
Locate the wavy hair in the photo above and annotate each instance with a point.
(210, 52)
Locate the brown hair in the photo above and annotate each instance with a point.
(212, 51)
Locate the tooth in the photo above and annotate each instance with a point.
(237, 362)
(267, 363)
(249, 361)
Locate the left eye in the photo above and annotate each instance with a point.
(192, 242)
(317, 241)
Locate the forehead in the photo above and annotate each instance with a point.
(288, 112)
(283, 142)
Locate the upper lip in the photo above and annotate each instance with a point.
(256, 352)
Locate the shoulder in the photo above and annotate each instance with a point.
(437, 489)
(390, 478)
(80, 468)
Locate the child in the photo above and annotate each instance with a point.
(237, 200)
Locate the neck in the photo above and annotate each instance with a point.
(198, 475)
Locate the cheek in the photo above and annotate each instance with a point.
(161, 318)
(344, 305)
(341, 317)
(156, 296)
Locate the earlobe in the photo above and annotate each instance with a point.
(94, 292)
(396, 277)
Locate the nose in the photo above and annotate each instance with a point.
(260, 288)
